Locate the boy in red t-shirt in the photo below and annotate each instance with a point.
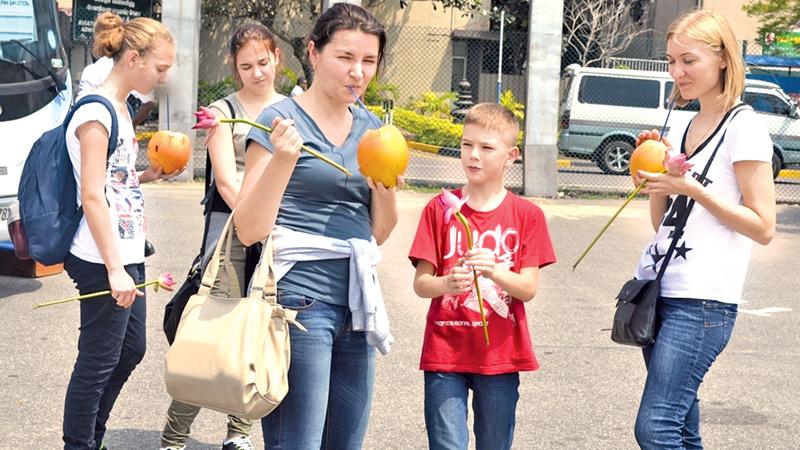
(511, 243)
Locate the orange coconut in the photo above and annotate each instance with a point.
(648, 156)
(169, 150)
(383, 155)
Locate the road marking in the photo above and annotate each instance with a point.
(785, 173)
(765, 312)
(424, 147)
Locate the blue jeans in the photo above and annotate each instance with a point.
(692, 333)
(494, 403)
(110, 345)
(331, 379)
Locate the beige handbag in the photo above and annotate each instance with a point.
(232, 354)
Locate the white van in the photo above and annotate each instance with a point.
(602, 111)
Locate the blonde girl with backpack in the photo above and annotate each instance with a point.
(107, 252)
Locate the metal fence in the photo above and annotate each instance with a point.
(427, 74)
(431, 74)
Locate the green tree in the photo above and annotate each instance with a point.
(776, 16)
(508, 100)
(291, 20)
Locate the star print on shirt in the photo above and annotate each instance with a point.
(681, 250)
(656, 258)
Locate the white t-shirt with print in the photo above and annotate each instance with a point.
(123, 194)
(710, 260)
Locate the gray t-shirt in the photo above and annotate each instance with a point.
(320, 199)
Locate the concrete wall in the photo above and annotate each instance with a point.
(419, 51)
(214, 49)
(744, 26)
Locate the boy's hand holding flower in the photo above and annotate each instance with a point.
(459, 280)
(481, 260)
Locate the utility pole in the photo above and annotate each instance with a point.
(178, 103)
(540, 177)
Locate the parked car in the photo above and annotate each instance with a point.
(602, 111)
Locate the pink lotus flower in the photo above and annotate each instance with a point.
(676, 163)
(452, 204)
(205, 119)
(166, 281)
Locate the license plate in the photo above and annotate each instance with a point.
(5, 213)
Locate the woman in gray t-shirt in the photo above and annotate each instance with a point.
(333, 367)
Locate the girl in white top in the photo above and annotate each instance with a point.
(107, 252)
(733, 205)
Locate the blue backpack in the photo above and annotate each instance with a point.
(48, 209)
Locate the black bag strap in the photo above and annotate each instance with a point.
(678, 232)
(209, 172)
(209, 186)
(206, 222)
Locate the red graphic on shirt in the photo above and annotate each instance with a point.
(504, 244)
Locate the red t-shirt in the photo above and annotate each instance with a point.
(517, 233)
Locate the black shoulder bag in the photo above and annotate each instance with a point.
(637, 302)
(173, 310)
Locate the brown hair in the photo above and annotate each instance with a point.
(494, 117)
(113, 36)
(346, 16)
(245, 34)
(714, 30)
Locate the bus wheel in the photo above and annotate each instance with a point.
(615, 157)
(777, 164)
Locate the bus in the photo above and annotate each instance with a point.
(35, 88)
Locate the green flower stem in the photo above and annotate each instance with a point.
(92, 295)
(603, 230)
(304, 147)
(464, 222)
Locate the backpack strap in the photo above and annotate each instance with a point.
(95, 98)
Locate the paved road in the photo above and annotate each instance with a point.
(584, 396)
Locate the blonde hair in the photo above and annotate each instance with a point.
(113, 36)
(495, 117)
(714, 30)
